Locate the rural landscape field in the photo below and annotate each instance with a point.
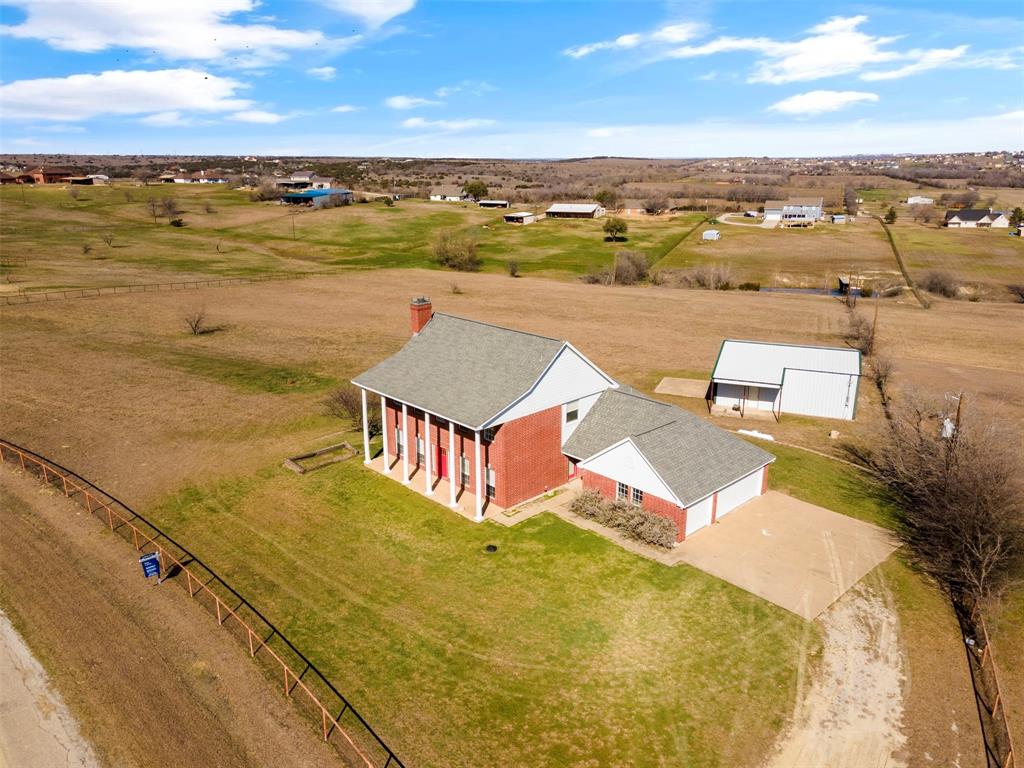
(374, 396)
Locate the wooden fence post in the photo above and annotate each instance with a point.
(65, 479)
(188, 578)
(217, 601)
(286, 691)
(252, 651)
(110, 516)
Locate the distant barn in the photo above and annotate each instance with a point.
(493, 204)
(522, 217)
(575, 211)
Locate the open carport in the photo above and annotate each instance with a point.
(797, 555)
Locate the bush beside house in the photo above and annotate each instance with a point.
(634, 522)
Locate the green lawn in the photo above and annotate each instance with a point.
(559, 649)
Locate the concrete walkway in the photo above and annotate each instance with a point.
(36, 728)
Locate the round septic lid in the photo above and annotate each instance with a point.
(491, 548)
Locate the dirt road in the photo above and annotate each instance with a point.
(150, 677)
(36, 730)
(851, 715)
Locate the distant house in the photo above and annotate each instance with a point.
(318, 198)
(977, 217)
(46, 174)
(175, 177)
(522, 217)
(449, 194)
(212, 176)
(794, 212)
(920, 200)
(87, 181)
(711, 234)
(575, 211)
(304, 180)
(786, 378)
(6, 178)
(493, 204)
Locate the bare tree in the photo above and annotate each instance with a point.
(957, 495)
(195, 319)
(860, 332)
(169, 207)
(74, 192)
(86, 249)
(154, 207)
(346, 402)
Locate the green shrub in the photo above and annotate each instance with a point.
(634, 522)
(750, 286)
(456, 250)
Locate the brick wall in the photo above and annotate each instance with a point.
(527, 456)
(658, 506)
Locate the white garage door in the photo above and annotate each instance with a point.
(742, 490)
(698, 516)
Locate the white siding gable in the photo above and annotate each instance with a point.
(570, 376)
(583, 406)
(624, 463)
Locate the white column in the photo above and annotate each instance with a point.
(479, 488)
(427, 450)
(366, 431)
(384, 432)
(405, 444)
(451, 463)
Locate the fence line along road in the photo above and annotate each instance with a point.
(42, 297)
(357, 742)
(995, 729)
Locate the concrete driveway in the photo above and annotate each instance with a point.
(794, 554)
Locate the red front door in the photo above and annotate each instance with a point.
(441, 455)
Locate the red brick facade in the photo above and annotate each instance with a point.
(607, 488)
(525, 454)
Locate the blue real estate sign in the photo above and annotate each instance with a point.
(150, 565)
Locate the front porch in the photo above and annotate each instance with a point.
(440, 489)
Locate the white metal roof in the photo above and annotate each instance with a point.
(520, 213)
(573, 208)
(493, 202)
(762, 362)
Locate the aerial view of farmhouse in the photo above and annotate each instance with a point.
(417, 384)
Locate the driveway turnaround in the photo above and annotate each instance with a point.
(794, 554)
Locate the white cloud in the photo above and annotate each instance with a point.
(832, 48)
(671, 34)
(191, 30)
(120, 92)
(819, 102)
(322, 73)
(925, 60)
(475, 87)
(257, 116)
(447, 125)
(373, 13)
(344, 108)
(165, 119)
(409, 102)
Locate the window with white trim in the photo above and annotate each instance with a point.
(572, 411)
(638, 497)
(464, 469)
(419, 449)
(621, 491)
(489, 487)
(399, 442)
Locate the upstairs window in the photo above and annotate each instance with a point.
(488, 434)
(572, 411)
(621, 491)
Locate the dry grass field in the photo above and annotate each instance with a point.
(117, 388)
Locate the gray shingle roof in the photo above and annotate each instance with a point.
(693, 457)
(461, 369)
(971, 214)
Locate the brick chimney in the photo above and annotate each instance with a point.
(420, 312)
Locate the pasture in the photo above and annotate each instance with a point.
(121, 234)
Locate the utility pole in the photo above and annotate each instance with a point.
(959, 409)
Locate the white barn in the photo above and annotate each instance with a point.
(786, 378)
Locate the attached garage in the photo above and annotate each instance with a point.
(743, 490)
(664, 459)
(786, 378)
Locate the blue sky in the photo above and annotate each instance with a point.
(508, 79)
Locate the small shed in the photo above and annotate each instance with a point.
(522, 217)
(786, 378)
(838, 218)
(493, 204)
(711, 234)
